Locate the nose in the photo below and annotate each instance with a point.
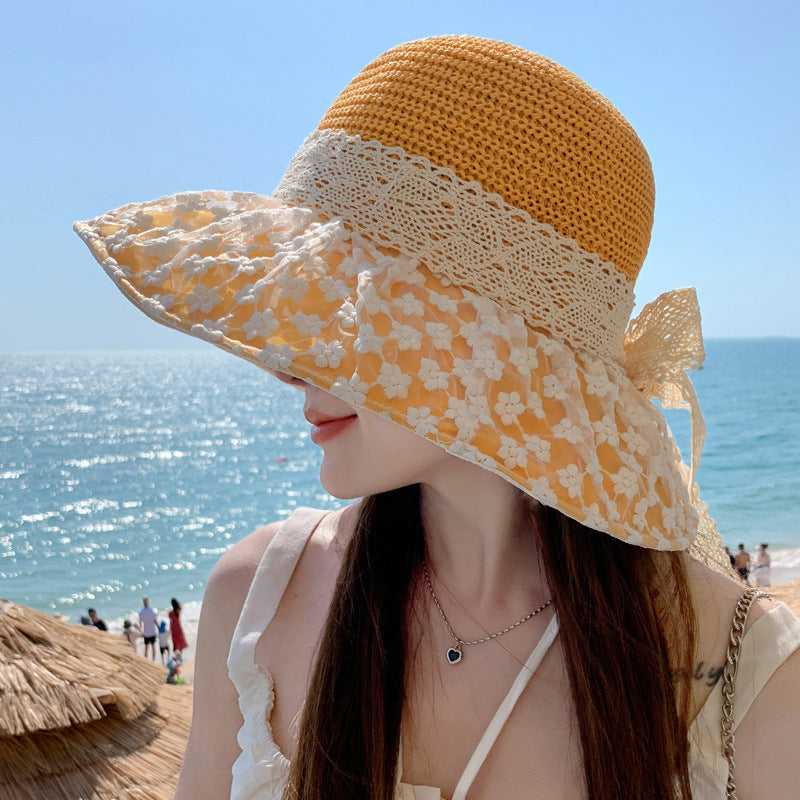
(323, 402)
(284, 377)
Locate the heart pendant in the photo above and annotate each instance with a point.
(453, 655)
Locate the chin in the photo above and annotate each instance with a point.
(343, 485)
(344, 494)
(339, 484)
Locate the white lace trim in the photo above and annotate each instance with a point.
(471, 237)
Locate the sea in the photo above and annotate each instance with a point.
(125, 474)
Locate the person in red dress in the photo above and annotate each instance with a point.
(178, 639)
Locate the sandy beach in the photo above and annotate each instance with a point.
(788, 593)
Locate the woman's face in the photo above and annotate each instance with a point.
(364, 453)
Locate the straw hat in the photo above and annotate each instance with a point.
(82, 716)
(455, 248)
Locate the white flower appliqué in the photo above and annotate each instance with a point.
(407, 337)
(334, 289)
(571, 479)
(509, 406)
(202, 299)
(444, 303)
(367, 341)
(566, 429)
(278, 357)
(513, 454)
(553, 388)
(353, 390)
(594, 519)
(393, 381)
(540, 448)
(440, 333)
(347, 315)
(306, 324)
(540, 489)
(328, 354)
(421, 420)
(606, 431)
(408, 304)
(431, 375)
(292, 288)
(597, 381)
(485, 358)
(625, 482)
(524, 359)
(468, 414)
(473, 380)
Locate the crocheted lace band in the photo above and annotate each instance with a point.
(464, 234)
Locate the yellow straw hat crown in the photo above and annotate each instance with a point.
(520, 125)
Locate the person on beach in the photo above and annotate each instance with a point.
(729, 555)
(164, 641)
(130, 632)
(174, 668)
(523, 600)
(175, 627)
(148, 622)
(761, 571)
(741, 563)
(96, 621)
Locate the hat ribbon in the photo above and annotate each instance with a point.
(661, 344)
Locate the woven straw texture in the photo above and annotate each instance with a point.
(521, 126)
(82, 716)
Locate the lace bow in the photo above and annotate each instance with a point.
(661, 344)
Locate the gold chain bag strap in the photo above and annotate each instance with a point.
(728, 679)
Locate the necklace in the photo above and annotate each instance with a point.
(455, 654)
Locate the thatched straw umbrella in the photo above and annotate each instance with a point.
(82, 717)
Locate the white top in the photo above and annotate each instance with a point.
(261, 770)
(148, 618)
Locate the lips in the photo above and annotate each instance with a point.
(324, 427)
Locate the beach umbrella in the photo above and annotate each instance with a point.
(82, 716)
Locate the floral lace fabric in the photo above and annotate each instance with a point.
(296, 294)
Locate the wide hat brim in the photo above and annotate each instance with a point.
(299, 293)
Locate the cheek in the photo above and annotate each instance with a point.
(407, 455)
(382, 457)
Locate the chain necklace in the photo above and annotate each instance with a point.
(455, 654)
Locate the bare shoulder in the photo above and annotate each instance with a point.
(715, 597)
(233, 573)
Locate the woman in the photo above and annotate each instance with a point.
(762, 568)
(176, 629)
(446, 272)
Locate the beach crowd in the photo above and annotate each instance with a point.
(752, 572)
(163, 638)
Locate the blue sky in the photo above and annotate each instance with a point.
(108, 103)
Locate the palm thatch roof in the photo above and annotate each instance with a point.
(83, 716)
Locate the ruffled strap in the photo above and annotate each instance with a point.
(271, 579)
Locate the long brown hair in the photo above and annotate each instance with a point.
(618, 608)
